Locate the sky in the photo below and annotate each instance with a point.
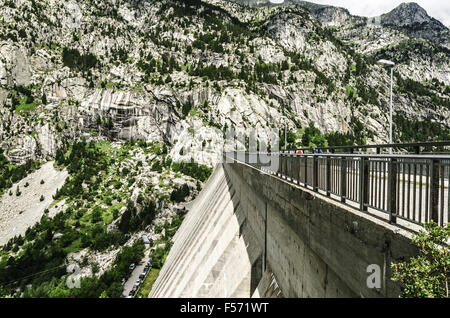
(438, 9)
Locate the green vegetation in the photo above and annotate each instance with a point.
(86, 163)
(93, 201)
(357, 136)
(132, 221)
(179, 194)
(414, 88)
(192, 169)
(76, 61)
(25, 106)
(107, 285)
(405, 51)
(160, 253)
(23, 98)
(213, 73)
(148, 282)
(407, 130)
(311, 136)
(10, 174)
(39, 252)
(426, 275)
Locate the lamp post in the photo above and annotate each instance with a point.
(391, 64)
(285, 132)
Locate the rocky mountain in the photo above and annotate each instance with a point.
(157, 69)
(409, 18)
(414, 21)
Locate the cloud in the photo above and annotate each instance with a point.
(438, 9)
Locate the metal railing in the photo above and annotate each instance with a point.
(411, 187)
(416, 147)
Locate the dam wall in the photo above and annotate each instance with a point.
(250, 234)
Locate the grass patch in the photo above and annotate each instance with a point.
(147, 285)
(74, 247)
(24, 106)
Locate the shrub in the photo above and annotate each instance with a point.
(74, 60)
(313, 137)
(96, 214)
(179, 194)
(157, 166)
(426, 275)
(192, 169)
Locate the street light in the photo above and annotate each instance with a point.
(391, 64)
(285, 131)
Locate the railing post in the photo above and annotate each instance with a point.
(363, 183)
(343, 179)
(280, 170)
(328, 176)
(434, 191)
(315, 173)
(289, 167)
(392, 190)
(306, 171)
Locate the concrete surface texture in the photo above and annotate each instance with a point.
(250, 234)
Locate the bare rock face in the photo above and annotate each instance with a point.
(15, 59)
(320, 53)
(21, 149)
(406, 14)
(332, 16)
(3, 73)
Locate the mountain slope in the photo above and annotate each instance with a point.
(129, 71)
(119, 92)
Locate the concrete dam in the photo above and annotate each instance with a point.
(254, 234)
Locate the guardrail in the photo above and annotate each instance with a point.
(416, 147)
(410, 187)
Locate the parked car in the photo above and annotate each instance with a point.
(138, 282)
(132, 266)
(123, 281)
(132, 292)
(142, 276)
